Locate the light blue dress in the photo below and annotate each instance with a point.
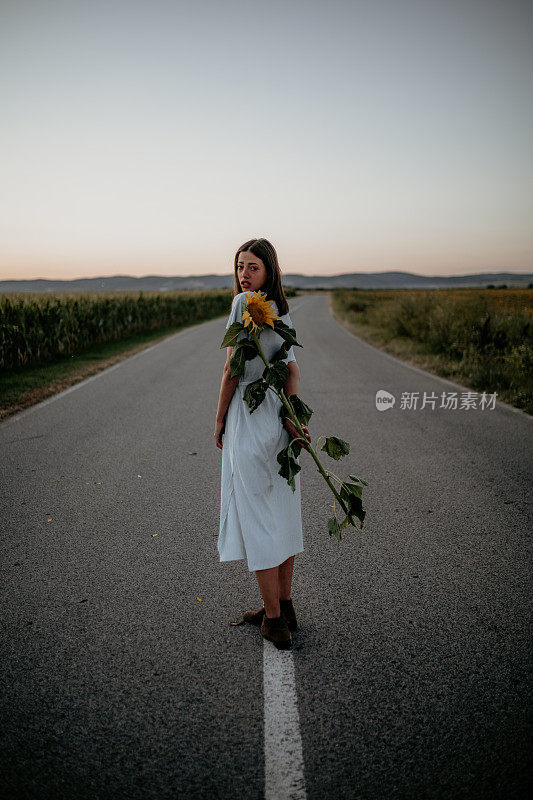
(260, 515)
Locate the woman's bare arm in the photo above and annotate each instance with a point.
(292, 384)
(227, 389)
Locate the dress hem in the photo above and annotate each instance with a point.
(254, 568)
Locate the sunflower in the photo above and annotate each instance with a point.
(259, 312)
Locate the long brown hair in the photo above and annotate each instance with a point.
(272, 286)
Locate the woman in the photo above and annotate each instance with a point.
(260, 515)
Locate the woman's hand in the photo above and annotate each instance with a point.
(294, 432)
(219, 431)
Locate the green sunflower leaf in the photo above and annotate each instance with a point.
(230, 337)
(334, 528)
(335, 447)
(280, 354)
(351, 494)
(254, 394)
(356, 479)
(289, 465)
(276, 374)
(296, 448)
(242, 352)
(289, 334)
(303, 412)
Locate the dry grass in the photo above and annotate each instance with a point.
(481, 338)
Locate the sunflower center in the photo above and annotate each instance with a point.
(258, 314)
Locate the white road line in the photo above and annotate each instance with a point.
(284, 766)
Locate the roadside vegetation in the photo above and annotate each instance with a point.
(49, 342)
(481, 338)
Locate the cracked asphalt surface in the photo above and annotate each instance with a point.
(413, 658)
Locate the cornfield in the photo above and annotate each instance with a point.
(36, 329)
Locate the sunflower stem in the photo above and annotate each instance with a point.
(297, 425)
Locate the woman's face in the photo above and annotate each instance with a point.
(251, 272)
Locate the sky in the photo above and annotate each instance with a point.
(156, 137)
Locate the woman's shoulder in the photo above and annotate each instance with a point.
(243, 296)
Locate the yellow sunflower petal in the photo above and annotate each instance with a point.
(259, 311)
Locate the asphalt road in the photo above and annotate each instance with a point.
(413, 656)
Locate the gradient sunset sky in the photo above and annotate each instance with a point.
(156, 137)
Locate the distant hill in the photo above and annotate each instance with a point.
(361, 280)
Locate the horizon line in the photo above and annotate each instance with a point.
(489, 271)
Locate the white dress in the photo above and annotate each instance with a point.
(260, 515)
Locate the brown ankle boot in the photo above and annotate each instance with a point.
(276, 630)
(287, 610)
(254, 617)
